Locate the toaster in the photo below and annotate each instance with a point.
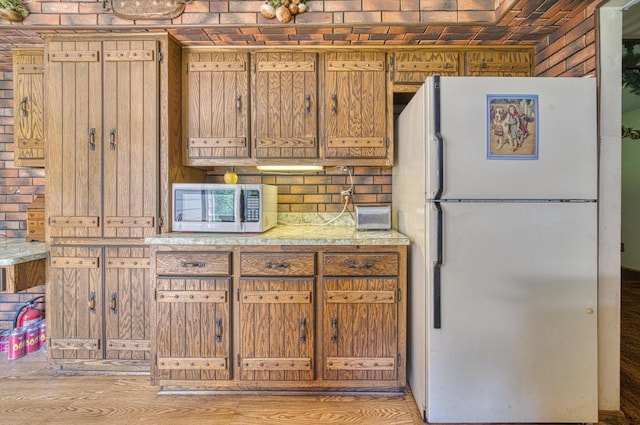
(373, 217)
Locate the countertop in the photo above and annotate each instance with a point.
(16, 251)
(286, 235)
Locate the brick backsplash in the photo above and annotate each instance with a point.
(18, 186)
(318, 191)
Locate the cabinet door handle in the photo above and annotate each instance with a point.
(334, 104)
(239, 103)
(23, 106)
(219, 329)
(307, 109)
(303, 329)
(112, 139)
(282, 265)
(92, 139)
(92, 302)
(354, 265)
(113, 303)
(334, 329)
(192, 264)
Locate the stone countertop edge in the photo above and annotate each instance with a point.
(17, 251)
(286, 235)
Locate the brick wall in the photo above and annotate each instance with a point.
(18, 186)
(11, 303)
(570, 51)
(318, 192)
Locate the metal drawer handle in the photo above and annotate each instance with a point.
(334, 329)
(112, 139)
(303, 329)
(23, 106)
(192, 264)
(92, 139)
(354, 265)
(219, 329)
(282, 265)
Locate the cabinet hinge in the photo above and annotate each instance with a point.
(155, 295)
(238, 294)
(238, 360)
(160, 57)
(392, 60)
(155, 360)
(399, 360)
(399, 294)
(160, 221)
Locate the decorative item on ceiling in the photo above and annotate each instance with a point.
(147, 9)
(13, 10)
(283, 10)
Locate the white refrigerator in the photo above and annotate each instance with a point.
(495, 183)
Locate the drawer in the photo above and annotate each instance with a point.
(35, 215)
(193, 263)
(366, 264)
(278, 264)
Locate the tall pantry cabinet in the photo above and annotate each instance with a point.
(111, 131)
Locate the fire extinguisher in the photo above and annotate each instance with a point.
(28, 313)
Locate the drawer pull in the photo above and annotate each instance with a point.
(303, 329)
(192, 264)
(113, 303)
(354, 265)
(92, 302)
(334, 329)
(282, 265)
(219, 329)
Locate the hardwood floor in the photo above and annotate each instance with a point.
(630, 348)
(30, 393)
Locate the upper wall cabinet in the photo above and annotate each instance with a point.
(501, 63)
(103, 134)
(357, 109)
(28, 107)
(216, 108)
(285, 118)
(413, 67)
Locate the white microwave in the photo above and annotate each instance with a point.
(240, 208)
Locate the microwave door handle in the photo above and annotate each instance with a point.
(240, 209)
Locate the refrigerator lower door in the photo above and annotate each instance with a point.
(517, 341)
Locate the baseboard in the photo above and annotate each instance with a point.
(630, 274)
(612, 417)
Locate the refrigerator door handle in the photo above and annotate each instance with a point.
(438, 136)
(437, 302)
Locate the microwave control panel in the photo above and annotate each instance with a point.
(251, 206)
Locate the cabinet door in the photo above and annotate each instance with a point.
(413, 67)
(276, 329)
(73, 128)
(126, 303)
(193, 338)
(217, 107)
(28, 107)
(360, 328)
(356, 105)
(499, 63)
(130, 138)
(285, 98)
(74, 303)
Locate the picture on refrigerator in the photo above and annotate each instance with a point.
(512, 127)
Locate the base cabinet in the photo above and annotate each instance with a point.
(98, 308)
(303, 319)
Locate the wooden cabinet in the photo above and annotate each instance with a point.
(253, 321)
(216, 108)
(361, 310)
(99, 307)
(357, 109)
(192, 317)
(285, 101)
(102, 126)
(28, 107)
(502, 63)
(411, 68)
(276, 317)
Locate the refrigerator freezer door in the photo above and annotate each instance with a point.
(518, 338)
(566, 162)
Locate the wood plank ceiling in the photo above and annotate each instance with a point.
(525, 22)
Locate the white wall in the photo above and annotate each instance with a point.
(631, 194)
